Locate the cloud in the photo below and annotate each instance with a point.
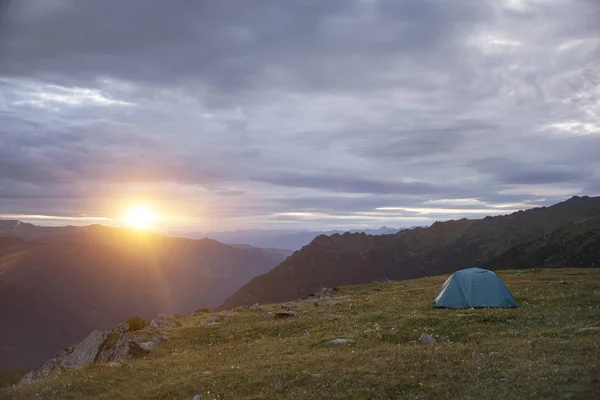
(249, 115)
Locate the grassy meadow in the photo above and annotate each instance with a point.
(537, 351)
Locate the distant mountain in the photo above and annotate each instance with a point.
(56, 288)
(25, 230)
(563, 235)
(279, 239)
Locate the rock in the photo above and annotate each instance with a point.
(427, 339)
(127, 366)
(377, 289)
(197, 397)
(341, 341)
(27, 378)
(379, 336)
(206, 372)
(255, 306)
(394, 327)
(306, 334)
(122, 328)
(326, 291)
(585, 330)
(365, 292)
(503, 379)
(282, 314)
(464, 315)
(212, 323)
(162, 321)
(148, 345)
(334, 316)
(186, 352)
(113, 364)
(316, 375)
(85, 352)
(291, 307)
(124, 347)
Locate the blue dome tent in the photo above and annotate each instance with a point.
(474, 287)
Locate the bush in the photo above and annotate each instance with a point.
(202, 310)
(137, 324)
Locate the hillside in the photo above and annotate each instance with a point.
(355, 258)
(54, 290)
(546, 349)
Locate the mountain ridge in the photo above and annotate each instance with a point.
(441, 248)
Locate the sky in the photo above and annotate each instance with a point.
(296, 114)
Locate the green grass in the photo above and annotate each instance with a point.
(251, 356)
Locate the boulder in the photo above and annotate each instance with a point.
(85, 352)
(427, 339)
(27, 378)
(162, 321)
(123, 347)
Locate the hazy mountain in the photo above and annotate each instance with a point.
(54, 290)
(560, 235)
(29, 231)
(278, 239)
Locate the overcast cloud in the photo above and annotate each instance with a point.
(298, 113)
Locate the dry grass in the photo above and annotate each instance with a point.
(533, 352)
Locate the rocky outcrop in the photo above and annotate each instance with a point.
(103, 347)
(79, 355)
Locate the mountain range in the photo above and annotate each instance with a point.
(563, 235)
(62, 283)
(275, 238)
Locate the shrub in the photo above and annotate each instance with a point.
(137, 324)
(202, 310)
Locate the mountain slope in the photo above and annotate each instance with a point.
(54, 291)
(541, 350)
(442, 248)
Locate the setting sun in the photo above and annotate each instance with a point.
(140, 217)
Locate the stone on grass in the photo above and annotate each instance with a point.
(377, 289)
(341, 341)
(113, 364)
(27, 378)
(291, 307)
(148, 345)
(282, 314)
(162, 321)
(503, 379)
(197, 397)
(427, 339)
(585, 330)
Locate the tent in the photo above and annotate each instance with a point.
(474, 287)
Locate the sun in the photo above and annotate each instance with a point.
(140, 217)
